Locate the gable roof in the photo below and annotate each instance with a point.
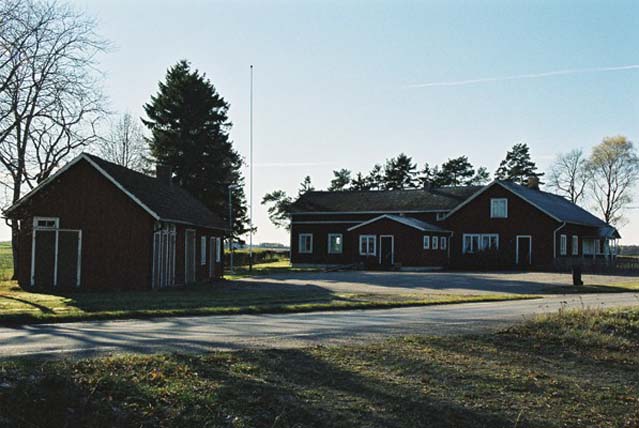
(386, 201)
(164, 202)
(408, 221)
(555, 206)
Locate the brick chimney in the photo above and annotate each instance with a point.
(163, 173)
(428, 185)
(533, 182)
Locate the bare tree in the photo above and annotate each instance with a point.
(569, 175)
(125, 144)
(614, 165)
(50, 99)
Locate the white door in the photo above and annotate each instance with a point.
(189, 256)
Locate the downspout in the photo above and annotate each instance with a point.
(554, 240)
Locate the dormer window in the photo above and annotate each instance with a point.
(499, 208)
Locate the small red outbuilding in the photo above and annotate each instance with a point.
(98, 225)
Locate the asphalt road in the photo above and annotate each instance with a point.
(200, 334)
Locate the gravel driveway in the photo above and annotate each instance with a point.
(433, 282)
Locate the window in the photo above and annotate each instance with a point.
(563, 245)
(499, 208)
(442, 242)
(435, 242)
(202, 250)
(335, 243)
(46, 222)
(474, 242)
(305, 243)
(589, 246)
(367, 245)
(218, 250)
(440, 215)
(426, 242)
(575, 245)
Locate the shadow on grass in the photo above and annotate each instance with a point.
(41, 308)
(252, 389)
(527, 376)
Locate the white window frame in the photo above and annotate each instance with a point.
(440, 215)
(203, 250)
(575, 245)
(218, 250)
(563, 245)
(435, 242)
(369, 239)
(55, 220)
(480, 238)
(426, 243)
(492, 207)
(443, 242)
(301, 249)
(341, 243)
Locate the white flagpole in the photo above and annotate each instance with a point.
(251, 179)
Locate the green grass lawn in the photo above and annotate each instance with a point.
(575, 369)
(279, 266)
(21, 307)
(6, 261)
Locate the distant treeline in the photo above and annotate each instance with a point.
(629, 250)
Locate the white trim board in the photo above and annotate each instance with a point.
(397, 220)
(83, 156)
(396, 212)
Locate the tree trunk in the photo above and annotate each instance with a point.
(15, 242)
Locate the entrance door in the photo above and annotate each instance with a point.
(523, 251)
(55, 258)
(164, 257)
(189, 256)
(387, 250)
(212, 257)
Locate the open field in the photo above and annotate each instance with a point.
(20, 307)
(572, 369)
(6, 263)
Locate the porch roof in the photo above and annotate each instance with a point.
(407, 221)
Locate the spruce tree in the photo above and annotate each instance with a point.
(517, 166)
(190, 133)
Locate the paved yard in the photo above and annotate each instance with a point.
(433, 282)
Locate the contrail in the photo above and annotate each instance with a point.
(526, 76)
(291, 164)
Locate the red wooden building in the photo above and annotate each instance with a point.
(97, 225)
(500, 225)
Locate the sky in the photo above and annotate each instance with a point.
(347, 84)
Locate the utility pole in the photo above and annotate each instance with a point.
(231, 248)
(231, 226)
(251, 178)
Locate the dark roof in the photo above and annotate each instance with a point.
(390, 201)
(169, 201)
(556, 206)
(408, 221)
